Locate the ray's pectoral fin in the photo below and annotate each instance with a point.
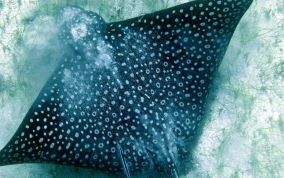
(127, 97)
(65, 107)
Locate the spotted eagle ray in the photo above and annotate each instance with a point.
(127, 98)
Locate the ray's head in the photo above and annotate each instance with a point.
(81, 30)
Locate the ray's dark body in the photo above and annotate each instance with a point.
(128, 97)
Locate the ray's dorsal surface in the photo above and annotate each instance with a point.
(128, 97)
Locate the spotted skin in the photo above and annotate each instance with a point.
(127, 97)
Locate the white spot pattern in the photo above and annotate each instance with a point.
(128, 97)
